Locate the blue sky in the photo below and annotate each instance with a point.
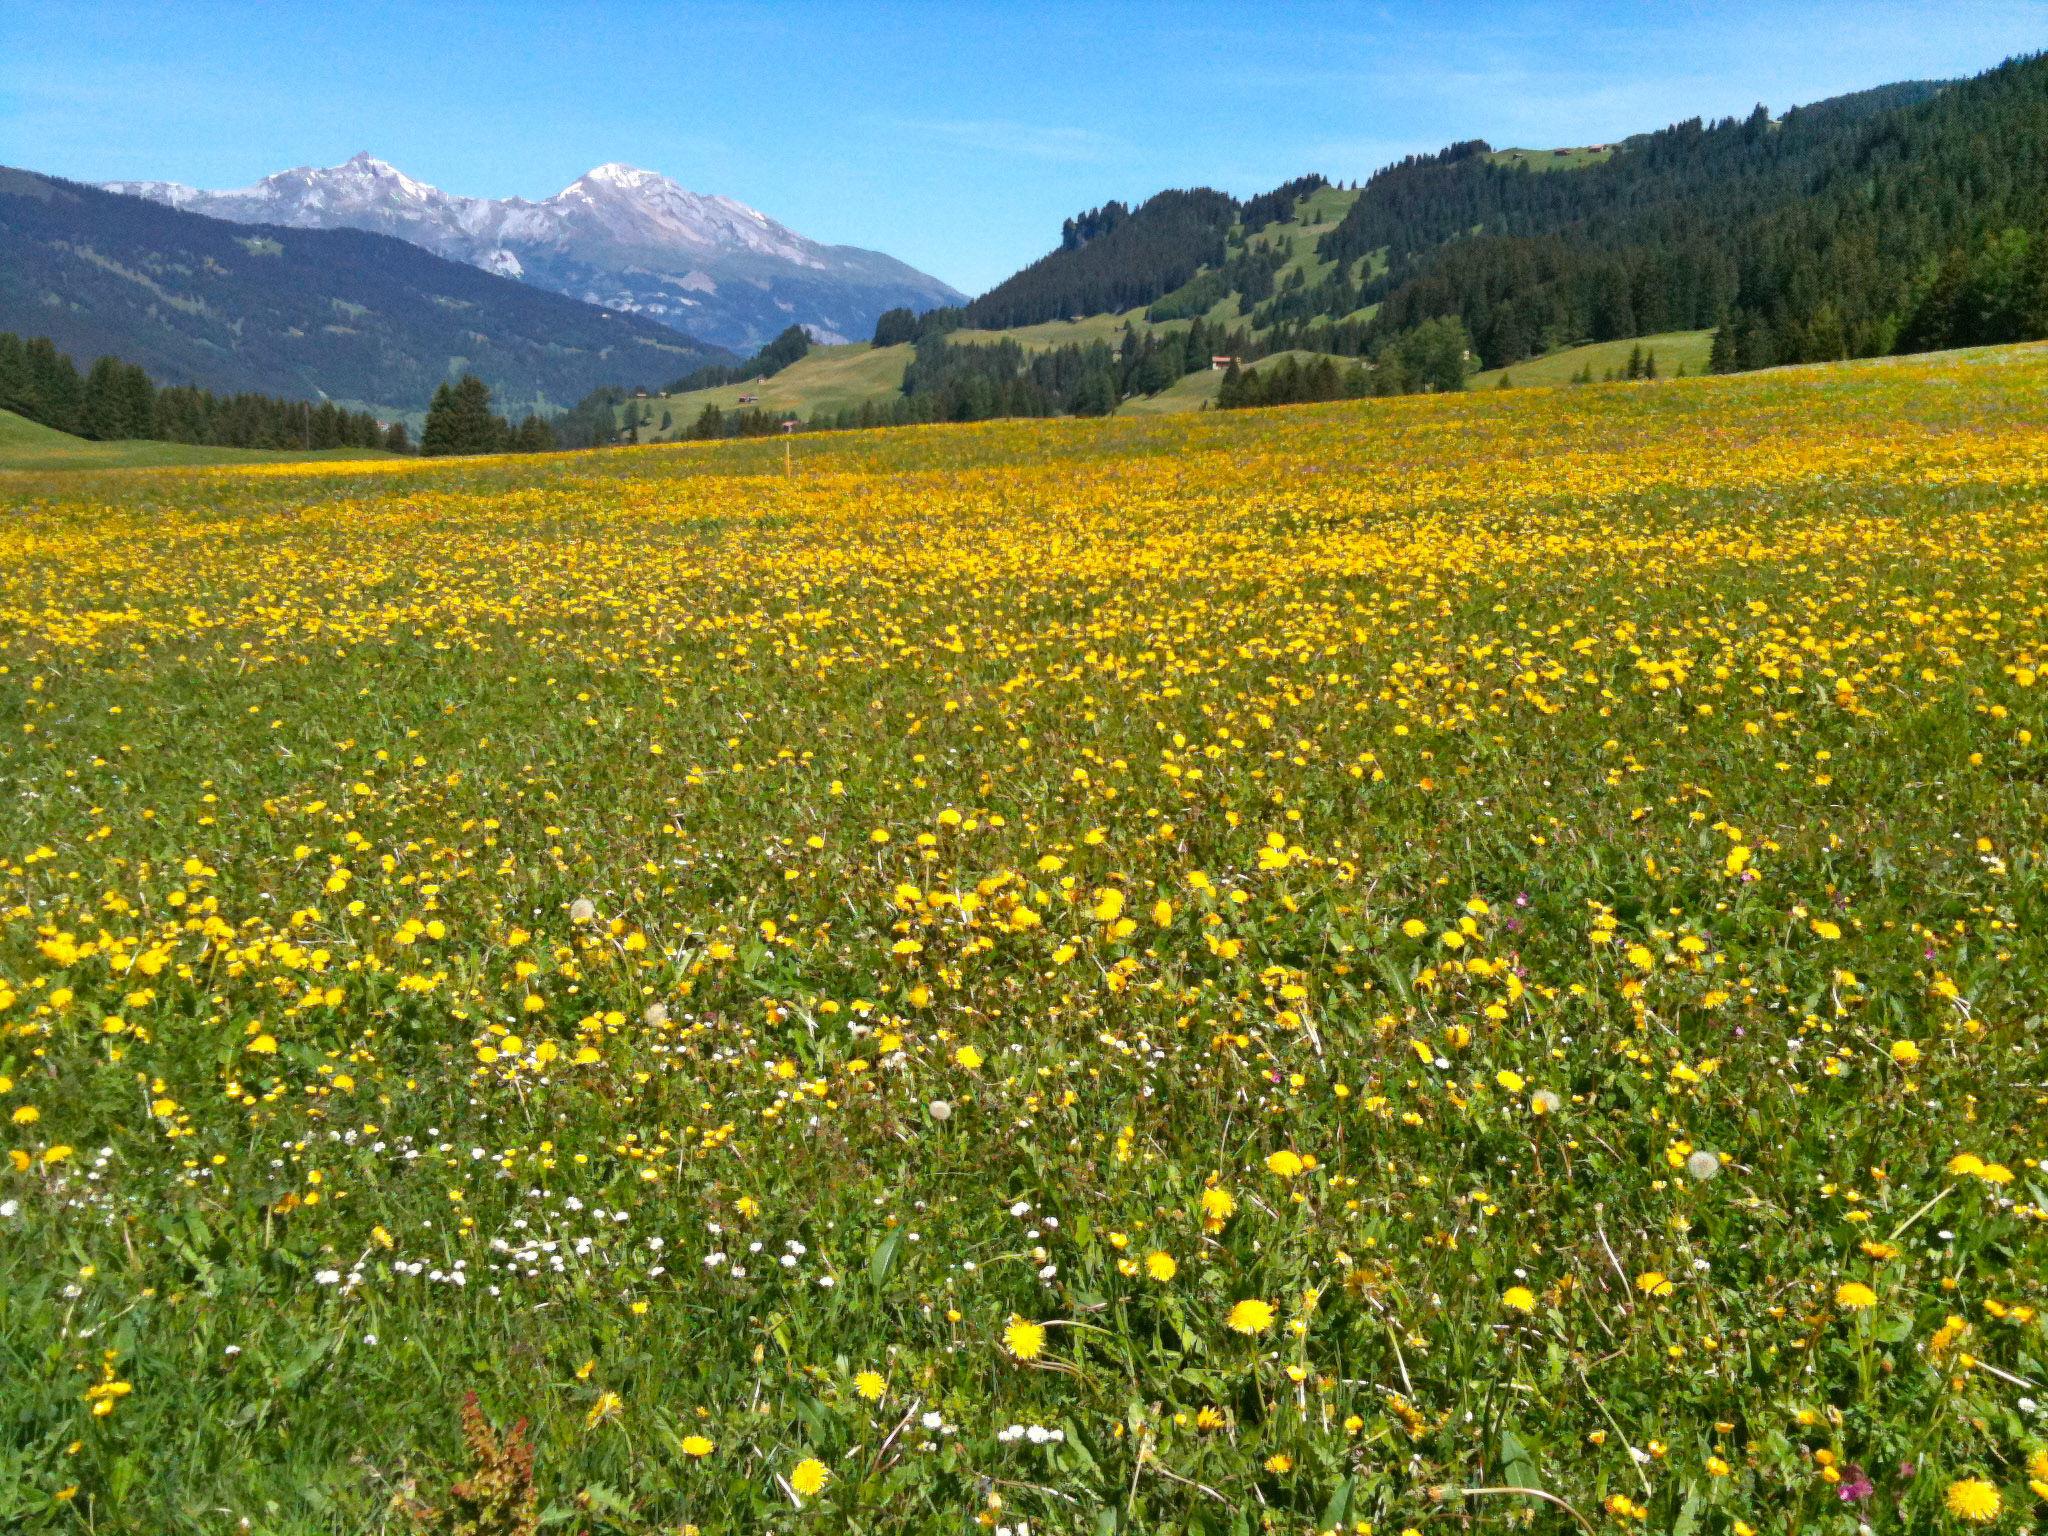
(955, 136)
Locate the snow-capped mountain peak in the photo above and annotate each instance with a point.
(619, 235)
(383, 173)
(615, 173)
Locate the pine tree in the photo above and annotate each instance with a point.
(437, 437)
(1230, 389)
(1722, 358)
(105, 405)
(460, 420)
(56, 393)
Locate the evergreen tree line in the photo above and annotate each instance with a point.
(788, 347)
(1292, 382)
(1435, 356)
(461, 421)
(712, 422)
(977, 381)
(1993, 291)
(114, 401)
(593, 421)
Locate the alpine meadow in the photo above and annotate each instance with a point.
(1467, 961)
(1358, 846)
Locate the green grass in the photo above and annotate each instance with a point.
(28, 445)
(1051, 334)
(1189, 392)
(1314, 217)
(1554, 160)
(1689, 349)
(823, 379)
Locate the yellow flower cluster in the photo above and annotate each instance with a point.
(1291, 961)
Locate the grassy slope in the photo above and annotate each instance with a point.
(1190, 392)
(1315, 216)
(1553, 160)
(824, 379)
(1049, 334)
(26, 444)
(1673, 348)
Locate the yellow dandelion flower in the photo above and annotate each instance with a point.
(809, 1477)
(1974, 1500)
(1250, 1317)
(1025, 1340)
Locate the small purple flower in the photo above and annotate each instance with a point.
(1905, 1469)
(1521, 898)
(1854, 1487)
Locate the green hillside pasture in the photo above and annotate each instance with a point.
(25, 444)
(1049, 334)
(1190, 392)
(1689, 349)
(823, 379)
(1554, 159)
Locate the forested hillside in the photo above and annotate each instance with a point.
(1810, 236)
(1112, 258)
(1906, 217)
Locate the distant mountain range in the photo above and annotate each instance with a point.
(361, 319)
(620, 237)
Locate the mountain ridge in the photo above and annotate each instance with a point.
(359, 318)
(619, 236)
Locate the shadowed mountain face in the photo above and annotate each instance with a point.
(624, 238)
(340, 314)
